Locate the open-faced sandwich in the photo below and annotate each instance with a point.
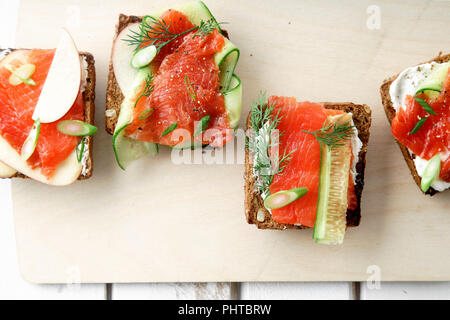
(171, 82)
(305, 165)
(417, 104)
(47, 113)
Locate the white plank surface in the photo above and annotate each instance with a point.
(182, 291)
(11, 284)
(406, 291)
(293, 291)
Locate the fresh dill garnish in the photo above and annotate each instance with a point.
(153, 31)
(262, 143)
(333, 134)
(190, 89)
(148, 89)
(206, 27)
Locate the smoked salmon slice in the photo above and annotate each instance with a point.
(186, 88)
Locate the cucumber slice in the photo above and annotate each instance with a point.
(30, 142)
(283, 198)
(126, 150)
(432, 84)
(430, 173)
(76, 128)
(227, 60)
(233, 101)
(332, 204)
(144, 57)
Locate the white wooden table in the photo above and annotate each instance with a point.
(13, 287)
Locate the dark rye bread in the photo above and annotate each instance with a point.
(114, 96)
(89, 111)
(390, 114)
(361, 115)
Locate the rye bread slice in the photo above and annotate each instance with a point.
(361, 115)
(390, 114)
(89, 111)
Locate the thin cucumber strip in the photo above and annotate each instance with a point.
(430, 173)
(127, 150)
(30, 142)
(283, 198)
(332, 204)
(76, 128)
(233, 102)
(427, 89)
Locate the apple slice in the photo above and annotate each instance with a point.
(66, 172)
(62, 84)
(122, 54)
(6, 171)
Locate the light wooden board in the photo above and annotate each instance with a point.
(162, 222)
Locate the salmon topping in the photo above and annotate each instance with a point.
(434, 135)
(304, 167)
(17, 105)
(186, 89)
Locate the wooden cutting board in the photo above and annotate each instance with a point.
(161, 222)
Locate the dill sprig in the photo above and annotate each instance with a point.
(206, 27)
(153, 31)
(264, 138)
(148, 89)
(190, 89)
(333, 134)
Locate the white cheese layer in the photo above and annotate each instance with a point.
(407, 83)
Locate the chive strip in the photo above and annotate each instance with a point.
(202, 125)
(427, 89)
(80, 149)
(425, 106)
(169, 129)
(145, 114)
(191, 91)
(418, 125)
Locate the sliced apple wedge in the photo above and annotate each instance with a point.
(66, 172)
(6, 171)
(122, 54)
(62, 83)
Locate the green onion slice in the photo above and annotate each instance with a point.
(21, 74)
(202, 125)
(430, 173)
(427, 89)
(418, 125)
(80, 149)
(144, 57)
(76, 128)
(169, 129)
(145, 114)
(425, 105)
(30, 142)
(283, 198)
